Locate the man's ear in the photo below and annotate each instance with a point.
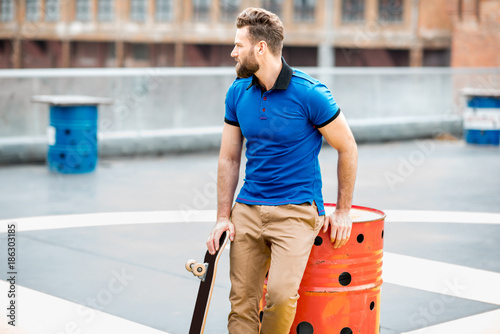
(261, 48)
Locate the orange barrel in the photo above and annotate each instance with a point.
(340, 289)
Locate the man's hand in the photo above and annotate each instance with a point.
(219, 228)
(341, 223)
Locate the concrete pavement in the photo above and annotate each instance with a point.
(115, 241)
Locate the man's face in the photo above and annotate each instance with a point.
(244, 54)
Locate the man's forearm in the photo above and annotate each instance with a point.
(227, 180)
(346, 174)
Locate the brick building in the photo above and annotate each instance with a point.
(134, 33)
(476, 33)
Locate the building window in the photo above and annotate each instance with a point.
(138, 10)
(164, 10)
(105, 10)
(52, 10)
(32, 10)
(83, 11)
(353, 10)
(390, 10)
(6, 10)
(275, 6)
(201, 10)
(229, 9)
(140, 51)
(304, 10)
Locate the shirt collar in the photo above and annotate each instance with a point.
(282, 81)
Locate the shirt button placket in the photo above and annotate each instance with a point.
(263, 109)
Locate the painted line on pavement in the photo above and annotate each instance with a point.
(201, 216)
(404, 216)
(484, 323)
(108, 219)
(440, 277)
(40, 313)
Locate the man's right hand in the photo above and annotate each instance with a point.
(219, 228)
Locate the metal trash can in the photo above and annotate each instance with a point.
(340, 289)
(482, 116)
(72, 132)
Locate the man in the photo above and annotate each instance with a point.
(283, 114)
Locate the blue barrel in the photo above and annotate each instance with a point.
(483, 102)
(482, 120)
(482, 137)
(74, 143)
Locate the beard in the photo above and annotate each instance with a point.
(247, 68)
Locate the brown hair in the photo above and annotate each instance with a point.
(263, 26)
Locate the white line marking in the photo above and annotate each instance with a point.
(403, 216)
(108, 219)
(443, 278)
(39, 313)
(202, 216)
(484, 323)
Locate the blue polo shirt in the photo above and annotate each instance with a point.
(283, 140)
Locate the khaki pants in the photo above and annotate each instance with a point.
(276, 237)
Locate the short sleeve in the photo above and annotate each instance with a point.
(230, 116)
(322, 108)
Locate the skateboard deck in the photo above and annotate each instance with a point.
(206, 273)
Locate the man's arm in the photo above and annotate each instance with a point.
(339, 136)
(227, 180)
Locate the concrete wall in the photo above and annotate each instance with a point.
(159, 110)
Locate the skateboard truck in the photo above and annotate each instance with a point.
(198, 269)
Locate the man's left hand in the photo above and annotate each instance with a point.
(341, 224)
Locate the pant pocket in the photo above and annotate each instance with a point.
(319, 220)
(305, 213)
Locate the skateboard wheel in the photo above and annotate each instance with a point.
(190, 264)
(199, 269)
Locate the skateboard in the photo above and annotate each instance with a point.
(206, 273)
